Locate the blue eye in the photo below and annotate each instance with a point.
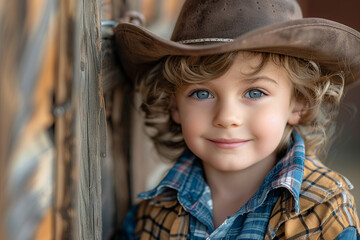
(202, 94)
(254, 93)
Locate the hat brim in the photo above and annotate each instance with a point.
(334, 46)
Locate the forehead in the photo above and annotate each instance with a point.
(245, 70)
(253, 62)
(250, 64)
(189, 70)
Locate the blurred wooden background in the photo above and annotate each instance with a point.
(73, 155)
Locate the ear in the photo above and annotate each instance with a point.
(175, 115)
(297, 111)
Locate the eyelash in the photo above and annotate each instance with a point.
(192, 94)
(262, 92)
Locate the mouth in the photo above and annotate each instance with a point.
(228, 143)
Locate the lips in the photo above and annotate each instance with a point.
(228, 143)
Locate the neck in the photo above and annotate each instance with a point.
(231, 190)
(232, 183)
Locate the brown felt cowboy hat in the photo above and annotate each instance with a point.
(218, 26)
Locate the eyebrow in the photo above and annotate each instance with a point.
(259, 78)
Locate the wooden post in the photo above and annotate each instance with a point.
(66, 139)
(80, 131)
(92, 120)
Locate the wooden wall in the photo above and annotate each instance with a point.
(53, 122)
(28, 54)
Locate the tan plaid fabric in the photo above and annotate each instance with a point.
(164, 219)
(326, 209)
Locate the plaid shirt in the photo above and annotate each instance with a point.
(185, 184)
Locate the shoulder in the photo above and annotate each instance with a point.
(163, 215)
(150, 207)
(321, 184)
(326, 206)
(327, 181)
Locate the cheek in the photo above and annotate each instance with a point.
(192, 130)
(269, 125)
(192, 122)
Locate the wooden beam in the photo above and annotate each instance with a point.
(67, 162)
(92, 120)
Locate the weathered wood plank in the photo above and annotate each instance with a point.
(67, 163)
(92, 147)
(26, 85)
(119, 7)
(8, 101)
(121, 125)
(43, 45)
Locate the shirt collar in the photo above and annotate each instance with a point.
(289, 171)
(186, 177)
(178, 176)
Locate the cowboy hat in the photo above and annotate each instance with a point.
(218, 26)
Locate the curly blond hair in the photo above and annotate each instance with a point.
(321, 91)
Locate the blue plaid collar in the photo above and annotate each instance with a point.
(187, 179)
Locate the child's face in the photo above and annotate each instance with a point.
(237, 120)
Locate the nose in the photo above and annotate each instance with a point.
(228, 115)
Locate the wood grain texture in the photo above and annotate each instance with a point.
(113, 9)
(92, 147)
(8, 100)
(26, 91)
(66, 135)
(53, 52)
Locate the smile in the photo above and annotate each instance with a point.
(228, 143)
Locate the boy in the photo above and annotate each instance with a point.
(249, 90)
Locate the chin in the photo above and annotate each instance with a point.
(232, 166)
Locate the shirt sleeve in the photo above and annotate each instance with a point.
(349, 233)
(128, 228)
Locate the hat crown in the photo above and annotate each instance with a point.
(228, 19)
